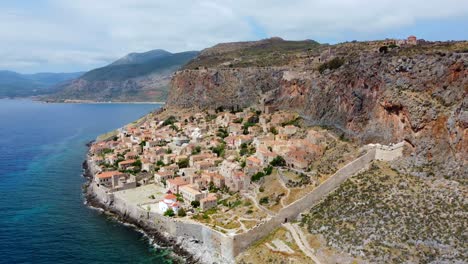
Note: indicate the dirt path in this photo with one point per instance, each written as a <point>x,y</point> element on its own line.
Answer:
<point>301,242</point>
<point>283,184</point>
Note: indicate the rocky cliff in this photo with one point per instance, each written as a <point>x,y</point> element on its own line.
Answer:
<point>372,91</point>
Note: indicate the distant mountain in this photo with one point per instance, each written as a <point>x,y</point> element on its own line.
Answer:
<point>13,84</point>
<point>135,77</point>
<point>138,58</point>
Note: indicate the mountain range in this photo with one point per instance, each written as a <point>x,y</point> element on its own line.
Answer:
<point>135,77</point>
<point>13,84</point>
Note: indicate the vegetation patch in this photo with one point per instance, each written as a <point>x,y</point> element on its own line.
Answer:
<point>392,218</point>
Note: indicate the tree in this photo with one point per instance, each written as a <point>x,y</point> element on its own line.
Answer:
<point>273,130</point>
<point>264,200</point>
<point>268,170</point>
<point>257,176</point>
<point>181,212</point>
<point>169,212</point>
<point>169,121</point>
<point>183,163</point>
<point>195,204</point>
<point>196,150</point>
<point>219,150</point>
<point>278,162</point>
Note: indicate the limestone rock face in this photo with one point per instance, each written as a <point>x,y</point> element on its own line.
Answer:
<point>417,95</point>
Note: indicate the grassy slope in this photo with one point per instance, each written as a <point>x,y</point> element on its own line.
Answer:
<point>390,217</point>
<point>262,54</point>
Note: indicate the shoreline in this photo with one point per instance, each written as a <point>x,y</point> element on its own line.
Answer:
<point>35,99</point>
<point>154,236</point>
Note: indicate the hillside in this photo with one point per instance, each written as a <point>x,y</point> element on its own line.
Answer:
<point>135,77</point>
<point>14,84</point>
<point>369,92</point>
<point>415,93</point>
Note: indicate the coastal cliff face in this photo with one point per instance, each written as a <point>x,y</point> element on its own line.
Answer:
<point>415,94</point>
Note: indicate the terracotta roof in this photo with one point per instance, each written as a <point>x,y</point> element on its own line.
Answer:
<point>108,174</point>
<point>254,159</point>
<point>189,189</point>
<point>177,181</point>
<point>170,197</point>
<point>164,173</point>
<point>209,198</point>
<point>127,161</point>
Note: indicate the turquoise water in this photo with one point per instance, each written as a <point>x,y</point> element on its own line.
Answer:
<point>42,215</point>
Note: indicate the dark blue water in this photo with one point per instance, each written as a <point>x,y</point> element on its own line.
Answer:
<point>42,216</point>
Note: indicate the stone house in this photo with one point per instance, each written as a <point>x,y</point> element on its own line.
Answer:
<point>243,139</point>
<point>174,184</point>
<point>146,165</point>
<point>190,193</point>
<point>412,40</point>
<point>105,178</point>
<point>297,159</point>
<point>208,202</point>
<point>199,157</point>
<point>288,130</point>
<point>160,177</point>
<point>123,165</point>
<point>171,168</point>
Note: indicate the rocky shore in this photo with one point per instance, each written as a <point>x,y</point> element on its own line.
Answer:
<point>182,255</point>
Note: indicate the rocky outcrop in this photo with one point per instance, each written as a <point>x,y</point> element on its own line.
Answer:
<point>415,94</point>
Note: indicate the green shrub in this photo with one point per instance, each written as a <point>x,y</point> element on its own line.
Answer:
<point>264,200</point>
<point>333,64</point>
<point>169,212</point>
<point>181,212</point>
<point>169,121</point>
<point>183,163</point>
<point>273,130</point>
<point>219,150</point>
<point>195,204</point>
<point>196,150</point>
<point>268,170</point>
<point>278,162</point>
<point>257,176</point>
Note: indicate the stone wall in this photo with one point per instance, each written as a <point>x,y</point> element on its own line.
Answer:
<point>389,153</point>
<point>201,241</point>
<point>213,245</point>
<point>243,241</point>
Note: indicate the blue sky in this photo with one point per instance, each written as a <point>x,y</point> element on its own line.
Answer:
<point>78,35</point>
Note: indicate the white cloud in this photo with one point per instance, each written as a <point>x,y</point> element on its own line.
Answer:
<point>81,34</point>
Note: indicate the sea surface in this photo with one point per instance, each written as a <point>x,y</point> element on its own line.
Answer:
<point>42,215</point>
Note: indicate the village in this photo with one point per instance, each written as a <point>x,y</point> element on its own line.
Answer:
<point>230,170</point>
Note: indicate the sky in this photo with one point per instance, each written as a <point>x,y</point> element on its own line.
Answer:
<point>79,35</point>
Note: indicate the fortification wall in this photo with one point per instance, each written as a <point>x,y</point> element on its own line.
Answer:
<point>201,241</point>
<point>244,240</point>
<point>214,245</point>
<point>388,153</point>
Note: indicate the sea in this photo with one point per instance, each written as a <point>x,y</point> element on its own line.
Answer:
<point>43,218</point>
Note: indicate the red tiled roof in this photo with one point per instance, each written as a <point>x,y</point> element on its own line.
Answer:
<point>170,197</point>
<point>108,174</point>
